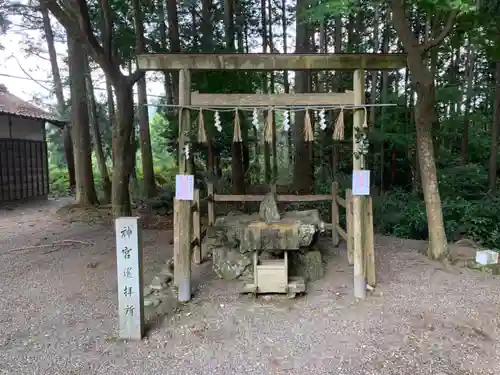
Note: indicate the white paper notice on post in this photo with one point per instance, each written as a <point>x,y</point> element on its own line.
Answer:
<point>184,187</point>
<point>360,182</point>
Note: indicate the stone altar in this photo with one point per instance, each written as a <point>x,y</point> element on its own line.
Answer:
<point>240,243</point>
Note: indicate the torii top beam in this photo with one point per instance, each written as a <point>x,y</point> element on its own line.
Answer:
<point>270,62</point>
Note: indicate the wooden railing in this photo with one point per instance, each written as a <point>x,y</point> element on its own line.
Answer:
<point>337,230</point>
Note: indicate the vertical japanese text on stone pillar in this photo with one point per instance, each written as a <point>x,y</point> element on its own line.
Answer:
<point>129,272</point>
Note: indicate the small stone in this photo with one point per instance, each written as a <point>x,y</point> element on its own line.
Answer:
<point>151,302</point>
<point>160,282</point>
<point>166,271</point>
<point>170,264</point>
<point>268,210</point>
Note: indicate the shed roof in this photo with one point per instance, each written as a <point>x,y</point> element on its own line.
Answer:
<point>12,105</point>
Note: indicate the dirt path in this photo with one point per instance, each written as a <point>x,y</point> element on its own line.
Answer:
<point>58,314</point>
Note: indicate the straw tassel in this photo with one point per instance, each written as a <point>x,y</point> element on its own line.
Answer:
<point>338,131</point>
<point>308,131</point>
<point>202,134</point>
<point>237,127</point>
<point>268,133</point>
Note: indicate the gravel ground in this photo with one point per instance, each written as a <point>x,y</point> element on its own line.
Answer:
<point>58,313</point>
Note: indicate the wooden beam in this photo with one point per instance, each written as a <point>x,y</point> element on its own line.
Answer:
<point>311,99</point>
<point>279,198</point>
<point>270,62</point>
<point>342,232</point>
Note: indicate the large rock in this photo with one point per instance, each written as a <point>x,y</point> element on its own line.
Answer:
<point>229,264</point>
<point>233,238</point>
<point>308,264</point>
<point>268,210</point>
<point>287,234</point>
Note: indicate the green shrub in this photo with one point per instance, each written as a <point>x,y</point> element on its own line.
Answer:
<point>59,183</point>
<point>403,215</point>
<point>468,182</point>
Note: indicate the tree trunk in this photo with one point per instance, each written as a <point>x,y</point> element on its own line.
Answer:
<point>468,103</point>
<point>206,26</point>
<point>111,112</point>
<point>240,25</point>
<point>286,81</point>
<point>70,157</point>
<point>175,43</point>
<point>237,174</point>
<point>229,24</point>
<point>425,118</point>
<point>492,170</point>
<point>326,155</point>
<point>338,88</point>
<point>272,89</point>
<point>265,88</point>
<point>303,179</point>
<point>384,98</point>
<point>207,46</point>
<point>374,74</point>
<point>85,189</point>
<point>148,174</point>
<point>61,105</point>
<point>164,44</point>
<point>124,152</point>
<point>96,134</point>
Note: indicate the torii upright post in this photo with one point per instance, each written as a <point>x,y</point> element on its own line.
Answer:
<point>358,163</point>
<point>182,208</point>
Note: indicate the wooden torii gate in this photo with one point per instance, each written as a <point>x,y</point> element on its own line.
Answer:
<point>185,63</point>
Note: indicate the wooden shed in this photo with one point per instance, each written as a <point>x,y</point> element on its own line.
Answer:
<point>24,171</point>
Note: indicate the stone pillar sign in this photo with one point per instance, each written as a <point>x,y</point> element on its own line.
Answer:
<point>130,282</point>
